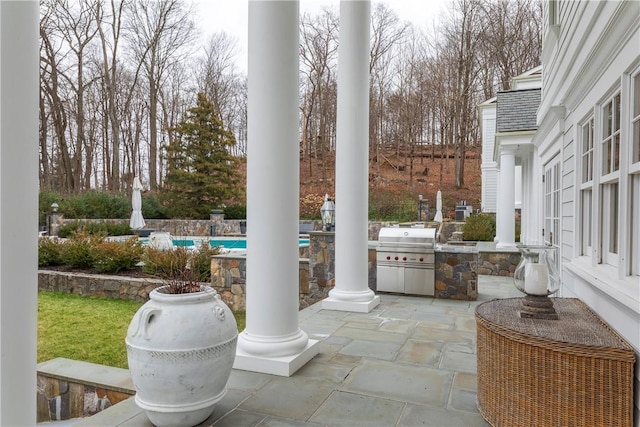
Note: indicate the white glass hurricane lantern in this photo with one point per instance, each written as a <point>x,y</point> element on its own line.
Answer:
<point>536,273</point>
<point>537,277</point>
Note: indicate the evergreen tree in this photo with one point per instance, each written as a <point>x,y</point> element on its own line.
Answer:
<point>201,172</point>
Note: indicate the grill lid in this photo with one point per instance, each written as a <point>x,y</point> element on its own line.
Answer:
<point>407,237</point>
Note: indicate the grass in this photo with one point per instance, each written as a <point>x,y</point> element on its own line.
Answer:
<point>90,329</point>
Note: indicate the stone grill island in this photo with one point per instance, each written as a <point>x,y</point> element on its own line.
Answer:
<point>457,265</point>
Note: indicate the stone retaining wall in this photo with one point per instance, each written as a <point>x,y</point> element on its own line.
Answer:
<point>102,285</point>
<point>229,279</point>
<point>70,389</point>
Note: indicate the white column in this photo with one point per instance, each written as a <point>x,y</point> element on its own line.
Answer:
<point>272,341</point>
<point>352,292</point>
<point>18,210</point>
<point>505,213</point>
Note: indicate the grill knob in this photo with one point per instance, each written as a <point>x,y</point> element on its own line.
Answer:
<point>421,259</point>
<point>404,258</point>
<point>396,258</point>
<point>388,258</point>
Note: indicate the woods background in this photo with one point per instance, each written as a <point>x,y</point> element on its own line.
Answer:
<point>117,76</point>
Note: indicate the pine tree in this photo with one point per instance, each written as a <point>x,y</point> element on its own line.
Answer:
<point>201,172</point>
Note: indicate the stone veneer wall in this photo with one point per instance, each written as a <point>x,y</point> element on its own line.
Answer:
<point>214,226</point>
<point>118,287</point>
<point>229,279</point>
<point>59,399</point>
<point>64,390</point>
<point>498,263</point>
<point>456,275</point>
<point>178,227</point>
<point>322,254</point>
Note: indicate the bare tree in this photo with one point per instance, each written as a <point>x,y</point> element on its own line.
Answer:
<point>53,103</point>
<point>110,43</point>
<point>217,76</point>
<point>511,39</point>
<point>78,27</point>
<point>318,53</point>
<point>160,33</point>
<point>387,34</point>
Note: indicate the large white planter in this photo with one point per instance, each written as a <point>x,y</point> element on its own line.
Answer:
<point>181,349</point>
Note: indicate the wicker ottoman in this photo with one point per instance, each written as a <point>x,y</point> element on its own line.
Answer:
<point>574,371</point>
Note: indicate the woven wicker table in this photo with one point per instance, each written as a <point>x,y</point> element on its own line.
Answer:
<point>574,371</point>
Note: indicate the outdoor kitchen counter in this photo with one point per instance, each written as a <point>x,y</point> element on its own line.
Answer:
<point>457,248</point>
<point>456,271</point>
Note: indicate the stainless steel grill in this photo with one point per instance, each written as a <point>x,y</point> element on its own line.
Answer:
<point>405,260</point>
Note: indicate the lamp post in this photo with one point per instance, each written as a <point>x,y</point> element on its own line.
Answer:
<point>420,207</point>
<point>328,214</point>
<point>52,218</point>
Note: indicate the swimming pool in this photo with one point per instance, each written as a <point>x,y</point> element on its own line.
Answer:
<point>226,243</point>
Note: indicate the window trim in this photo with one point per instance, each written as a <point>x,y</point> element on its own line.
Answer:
<point>585,228</point>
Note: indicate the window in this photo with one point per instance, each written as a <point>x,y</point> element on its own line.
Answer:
<point>586,206</point>
<point>608,176</point>
<point>552,201</point>
<point>634,265</point>
<point>636,119</point>
<point>587,151</point>
<point>609,180</point>
<point>634,181</point>
<point>611,136</point>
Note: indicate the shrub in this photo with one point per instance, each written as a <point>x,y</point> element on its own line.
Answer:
<point>391,206</point>
<point>98,204</point>
<point>180,262</point>
<point>201,260</point>
<point>165,264</point>
<point>68,229</point>
<point>78,249</point>
<point>310,206</point>
<point>479,227</point>
<point>112,256</point>
<point>49,251</point>
<point>235,212</point>
<point>102,228</point>
<point>152,207</point>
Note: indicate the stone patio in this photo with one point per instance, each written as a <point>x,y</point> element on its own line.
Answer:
<point>410,361</point>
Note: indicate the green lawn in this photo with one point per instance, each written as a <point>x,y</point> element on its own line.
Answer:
<point>86,328</point>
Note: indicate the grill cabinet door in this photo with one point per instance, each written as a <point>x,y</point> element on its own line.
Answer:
<point>419,281</point>
<point>390,274</point>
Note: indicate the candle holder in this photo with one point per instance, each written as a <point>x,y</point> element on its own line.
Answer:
<point>537,277</point>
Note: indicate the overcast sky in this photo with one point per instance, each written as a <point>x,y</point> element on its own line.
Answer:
<point>230,16</point>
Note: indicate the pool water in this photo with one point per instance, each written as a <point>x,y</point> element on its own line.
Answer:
<point>225,243</point>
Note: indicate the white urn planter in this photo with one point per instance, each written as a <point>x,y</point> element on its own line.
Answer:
<point>180,349</point>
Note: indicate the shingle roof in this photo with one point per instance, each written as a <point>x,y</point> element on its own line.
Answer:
<point>517,110</point>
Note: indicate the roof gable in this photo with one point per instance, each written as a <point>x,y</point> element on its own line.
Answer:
<point>517,110</point>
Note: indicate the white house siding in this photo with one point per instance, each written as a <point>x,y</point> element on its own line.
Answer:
<point>489,188</point>
<point>587,58</point>
<point>489,166</point>
<point>567,225</point>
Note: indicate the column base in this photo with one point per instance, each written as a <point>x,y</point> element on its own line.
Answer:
<point>355,306</point>
<point>505,245</point>
<point>284,366</point>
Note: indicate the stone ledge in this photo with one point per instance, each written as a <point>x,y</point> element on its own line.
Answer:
<point>92,374</point>
<point>69,389</point>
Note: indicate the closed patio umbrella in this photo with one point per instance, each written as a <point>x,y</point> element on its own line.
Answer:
<point>137,221</point>
<point>438,217</point>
